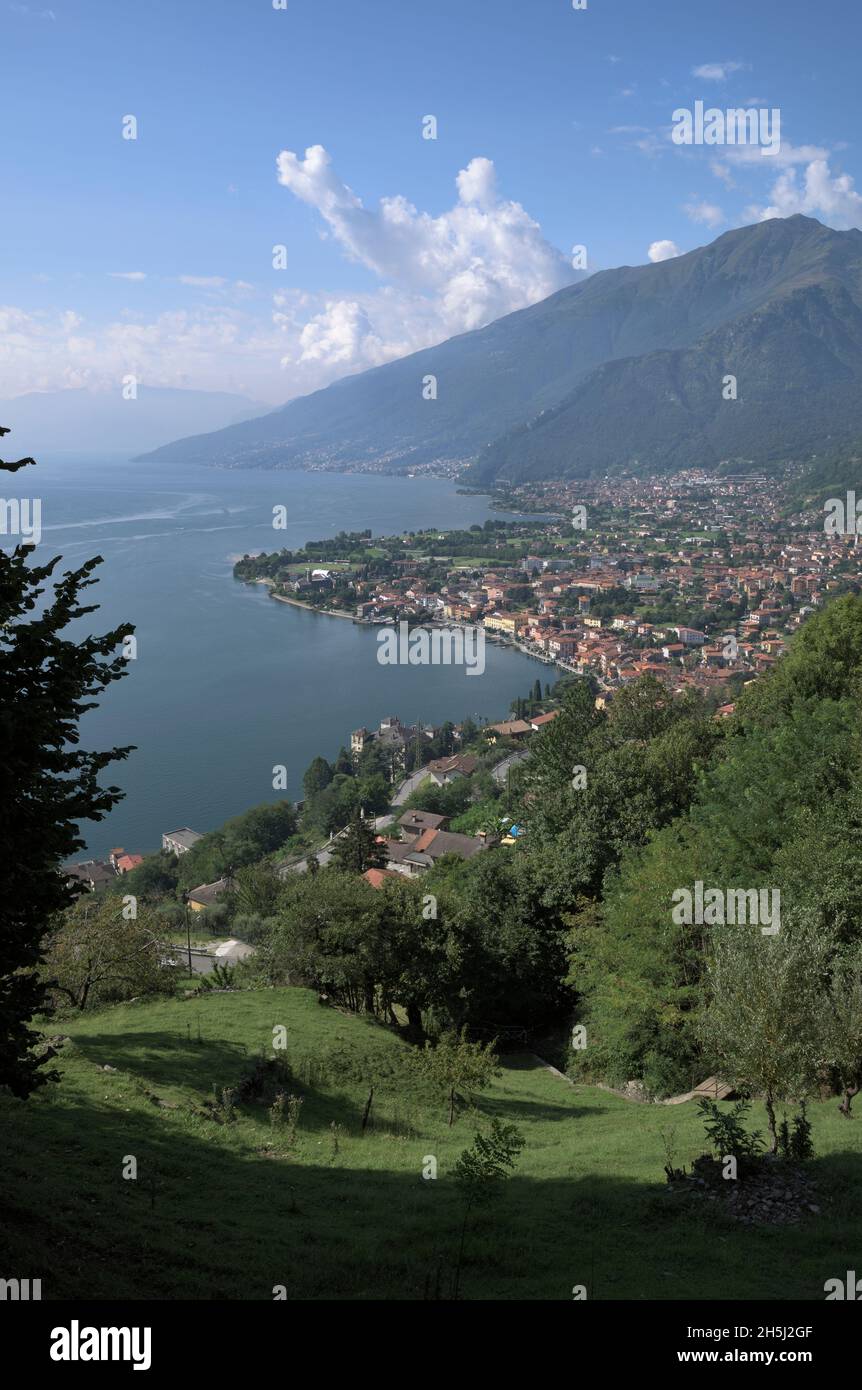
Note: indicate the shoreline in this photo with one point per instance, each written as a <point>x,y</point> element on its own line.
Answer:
<point>340,613</point>
<point>297,603</point>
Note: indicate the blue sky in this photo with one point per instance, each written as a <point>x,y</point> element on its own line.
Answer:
<point>572,108</point>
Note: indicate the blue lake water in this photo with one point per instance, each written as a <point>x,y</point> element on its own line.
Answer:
<point>227,682</point>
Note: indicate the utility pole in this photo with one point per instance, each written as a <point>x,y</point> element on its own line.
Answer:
<point>188,930</point>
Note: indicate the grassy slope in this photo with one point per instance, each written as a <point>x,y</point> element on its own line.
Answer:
<point>229,1212</point>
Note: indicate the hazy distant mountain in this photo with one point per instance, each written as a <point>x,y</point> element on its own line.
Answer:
<point>102,420</point>
<point>623,369</point>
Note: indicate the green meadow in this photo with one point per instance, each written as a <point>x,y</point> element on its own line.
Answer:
<point>230,1210</point>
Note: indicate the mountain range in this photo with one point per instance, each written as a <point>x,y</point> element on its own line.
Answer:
<point>628,370</point>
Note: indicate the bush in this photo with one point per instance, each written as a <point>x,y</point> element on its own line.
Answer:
<point>726,1132</point>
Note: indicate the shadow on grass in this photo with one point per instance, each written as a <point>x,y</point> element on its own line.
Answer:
<point>209,1217</point>
<point>167,1058</point>
<point>537,1109</point>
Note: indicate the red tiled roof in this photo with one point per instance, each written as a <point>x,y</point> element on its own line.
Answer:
<point>129,861</point>
<point>376,876</point>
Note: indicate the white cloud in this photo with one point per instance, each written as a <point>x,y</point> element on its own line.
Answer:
<point>341,333</point>
<point>127,274</point>
<point>785,155</point>
<point>708,213</point>
<point>478,183</point>
<point>716,72</point>
<point>663,251</point>
<point>211,349</point>
<point>441,275</point>
<point>438,276</point>
<point>806,184</point>
<point>819,193</point>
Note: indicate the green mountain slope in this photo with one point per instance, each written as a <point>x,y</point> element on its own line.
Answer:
<point>798,368</point>
<point>627,364</point>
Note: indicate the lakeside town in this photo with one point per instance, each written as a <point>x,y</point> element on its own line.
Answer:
<point>409,840</point>
<point>697,580</point>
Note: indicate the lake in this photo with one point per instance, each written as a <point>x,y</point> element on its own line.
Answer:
<point>228,683</point>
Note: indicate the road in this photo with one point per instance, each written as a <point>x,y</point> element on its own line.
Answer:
<point>324,856</point>
<point>409,785</point>
<point>501,771</point>
<point>202,961</point>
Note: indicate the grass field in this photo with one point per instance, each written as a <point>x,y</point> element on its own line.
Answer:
<point>229,1211</point>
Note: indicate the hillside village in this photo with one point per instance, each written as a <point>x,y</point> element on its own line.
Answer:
<point>698,582</point>
<point>412,840</point>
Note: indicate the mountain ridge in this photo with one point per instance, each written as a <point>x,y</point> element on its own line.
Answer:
<point>622,369</point>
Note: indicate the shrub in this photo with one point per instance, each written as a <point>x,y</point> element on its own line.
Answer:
<point>726,1131</point>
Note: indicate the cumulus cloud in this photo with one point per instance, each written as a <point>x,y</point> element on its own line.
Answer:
<point>819,193</point>
<point>806,184</point>
<point>441,275</point>
<point>663,251</point>
<point>340,333</point>
<point>438,276</point>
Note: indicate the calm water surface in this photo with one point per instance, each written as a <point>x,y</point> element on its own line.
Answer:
<point>227,682</point>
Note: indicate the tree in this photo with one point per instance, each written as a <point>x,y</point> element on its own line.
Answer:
<point>445,740</point>
<point>358,850</point>
<point>761,1026</point>
<point>343,763</point>
<point>469,731</point>
<point>480,1169</point>
<point>480,1172</point>
<point>457,1068</point>
<point>327,935</point>
<point>48,784</point>
<point>502,952</point>
<point>257,890</point>
<point>318,776</point>
<point>243,840</point>
<point>558,749</point>
<point>155,878</point>
<point>842,1024</point>
<point>96,955</point>
<point>374,793</point>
